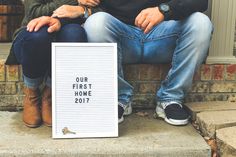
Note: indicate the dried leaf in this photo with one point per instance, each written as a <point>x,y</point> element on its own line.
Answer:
<point>212,143</point>
<point>214,154</point>
<point>142,114</point>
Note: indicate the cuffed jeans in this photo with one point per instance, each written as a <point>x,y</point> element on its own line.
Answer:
<point>183,43</point>
<point>33,51</point>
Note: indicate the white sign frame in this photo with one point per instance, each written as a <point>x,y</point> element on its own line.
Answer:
<point>60,111</point>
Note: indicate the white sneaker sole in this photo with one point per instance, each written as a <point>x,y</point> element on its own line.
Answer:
<point>160,113</point>
<point>121,120</point>
<point>128,110</point>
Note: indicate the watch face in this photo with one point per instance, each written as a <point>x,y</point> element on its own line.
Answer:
<point>164,7</point>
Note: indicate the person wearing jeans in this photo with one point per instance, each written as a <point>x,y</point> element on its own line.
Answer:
<point>32,49</point>
<point>155,32</point>
<point>33,52</point>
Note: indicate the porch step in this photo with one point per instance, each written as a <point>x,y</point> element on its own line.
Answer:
<point>226,140</point>
<point>217,121</point>
<point>139,137</point>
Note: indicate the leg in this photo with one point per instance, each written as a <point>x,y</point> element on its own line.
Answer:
<point>110,29</point>
<point>185,44</point>
<point>68,33</point>
<point>102,27</point>
<point>32,51</point>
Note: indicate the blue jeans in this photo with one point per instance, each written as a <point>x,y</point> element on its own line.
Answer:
<point>33,51</point>
<point>183,43</point>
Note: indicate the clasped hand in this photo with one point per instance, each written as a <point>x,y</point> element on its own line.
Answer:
<point>69,11</point>
<point>148,18</point>
<point>65,11</point>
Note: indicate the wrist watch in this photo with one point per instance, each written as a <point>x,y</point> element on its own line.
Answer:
<point>85,14</point>
<point>165,10</point>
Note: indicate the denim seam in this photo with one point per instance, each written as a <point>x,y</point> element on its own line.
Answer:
<point>126,36</point>
<point>162,37</point>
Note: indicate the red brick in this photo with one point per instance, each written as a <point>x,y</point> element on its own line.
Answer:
<point>197,75</point>
<point>218,72</point>
<point>230,72</point>
<point>2,70</point>
<point>205,72</point>
<point>12,73</point>
<point>149,72</point>
<point>148,88</point>
<point>130,72</point>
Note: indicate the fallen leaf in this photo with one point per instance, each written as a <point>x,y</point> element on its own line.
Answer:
<point>142,114</point>
<point>212,143</point>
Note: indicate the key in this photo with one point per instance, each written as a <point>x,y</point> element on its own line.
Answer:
<point>65,131</point>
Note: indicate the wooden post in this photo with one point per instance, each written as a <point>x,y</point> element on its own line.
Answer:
<point>223,16</point>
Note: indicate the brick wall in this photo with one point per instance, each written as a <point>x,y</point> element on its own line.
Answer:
<point>211,82</point>
<point>11,86</point>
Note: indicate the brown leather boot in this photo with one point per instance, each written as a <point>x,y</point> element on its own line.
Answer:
<point>31,113</point>
<point>47,106</point>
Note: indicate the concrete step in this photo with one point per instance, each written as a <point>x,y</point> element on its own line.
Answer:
<point>226,140</point>
<point>138,137</point>
<point>217,120</point>
<point>198,107</point>
<point>214,115</point>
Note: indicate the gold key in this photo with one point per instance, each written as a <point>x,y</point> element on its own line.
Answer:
<point>65,131</point>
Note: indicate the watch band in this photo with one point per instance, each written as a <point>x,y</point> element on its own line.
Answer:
<point>165,10</point>
<point>86,13</point>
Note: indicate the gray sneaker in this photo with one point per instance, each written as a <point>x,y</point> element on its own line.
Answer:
<point>173,113</point>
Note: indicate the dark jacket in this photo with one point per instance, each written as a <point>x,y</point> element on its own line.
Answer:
<point>127,10</point>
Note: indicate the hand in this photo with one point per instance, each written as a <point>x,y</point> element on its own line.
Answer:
<point>35,24</point>
<point>90,3</point>
<point>148,18</point>
<point>68,11</point>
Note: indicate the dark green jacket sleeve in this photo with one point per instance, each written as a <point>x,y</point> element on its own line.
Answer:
<point>37,8</point>
<point>183,8</point>
<point>34,9</point>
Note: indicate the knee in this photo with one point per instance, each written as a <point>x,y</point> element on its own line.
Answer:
<point>96,25</point>
<point>31,46</point>
<point>72,33</point>
<point>39,38</point>
<point>200,27</point>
